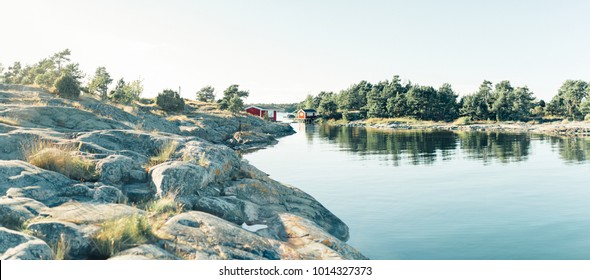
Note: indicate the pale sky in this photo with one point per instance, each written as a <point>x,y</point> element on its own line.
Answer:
<point>283,50</point>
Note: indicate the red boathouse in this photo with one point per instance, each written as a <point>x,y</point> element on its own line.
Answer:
<point>268,114</point>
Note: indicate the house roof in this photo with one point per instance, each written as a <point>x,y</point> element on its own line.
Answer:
<point>261,109</point>
<point>309,110</point>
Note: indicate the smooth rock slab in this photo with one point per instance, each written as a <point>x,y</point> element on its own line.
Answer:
<point>278,198</point>
<point>90,213</point>
<point>145,252</point>
<point>202,235</point>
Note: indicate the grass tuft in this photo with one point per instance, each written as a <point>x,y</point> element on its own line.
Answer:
<point>61,250</point>
<point>60,158</point>
<point>121,234</point>
<point>164,154</point>
<point>9,121</point>
<point>203,161</point>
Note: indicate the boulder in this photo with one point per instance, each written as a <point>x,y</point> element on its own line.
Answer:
<point>108,194</point>
<point>201,235</point>
<point>139,192</point>
<point>53,232</point>
<point>118,169</point>
<point>178,178</point>
<point>16,245</point>
<point>15,211</point>
<point>220,161</point>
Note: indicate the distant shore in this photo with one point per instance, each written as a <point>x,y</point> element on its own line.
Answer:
<point>560,128</point>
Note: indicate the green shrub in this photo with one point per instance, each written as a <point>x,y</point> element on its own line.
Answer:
<point>67,87</point>
<point>170,100</point>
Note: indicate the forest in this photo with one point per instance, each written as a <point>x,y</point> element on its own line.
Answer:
<point>494,102</point>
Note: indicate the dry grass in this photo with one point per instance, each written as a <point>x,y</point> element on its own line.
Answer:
<point>61,250</point>
<point>177,118</point>
<point>121,234</point>
<point>162,209</point>
<point>60,158</point>
<point>203,161</point>
<point>9,121</point>
<point>164,154</point>
<point>34,101</point>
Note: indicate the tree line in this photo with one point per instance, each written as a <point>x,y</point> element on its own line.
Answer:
<point>499,102</point>
<point>58,74</point>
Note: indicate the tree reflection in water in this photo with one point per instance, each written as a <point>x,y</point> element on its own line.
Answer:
<point>426,147</point>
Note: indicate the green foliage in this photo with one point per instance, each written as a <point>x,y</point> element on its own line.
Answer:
<point>170,100</point>
<point>502,103</point>
<point>567,102</point>
<point>232,99</point>
<point>43,73</point>
<point>388,99</point>
<point>100,83</point>
<point>67,87</point>
<point>235,105</point>
<point>126,93</point>
<point>352,115</point>
<point>206,94</point>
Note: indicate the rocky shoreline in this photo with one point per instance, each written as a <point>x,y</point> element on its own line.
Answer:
<point>173,184</point>
<point>581,129</point>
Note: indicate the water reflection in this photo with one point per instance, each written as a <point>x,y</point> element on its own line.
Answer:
<point>426,147</point>
<point>486,146</point>
<point>571,149</point>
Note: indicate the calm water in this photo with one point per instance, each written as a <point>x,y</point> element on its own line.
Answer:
<point>444,195</point>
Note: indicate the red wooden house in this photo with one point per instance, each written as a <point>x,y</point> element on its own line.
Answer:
<point>307,115</point>
<point>269,114</point>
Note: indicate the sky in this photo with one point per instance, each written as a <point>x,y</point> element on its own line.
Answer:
<point>282,51</point>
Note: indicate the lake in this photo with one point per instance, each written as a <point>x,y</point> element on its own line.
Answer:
<point>443,195</point>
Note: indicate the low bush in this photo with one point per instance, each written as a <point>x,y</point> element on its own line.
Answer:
<point>67,87</point>
<point>170,100</point>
